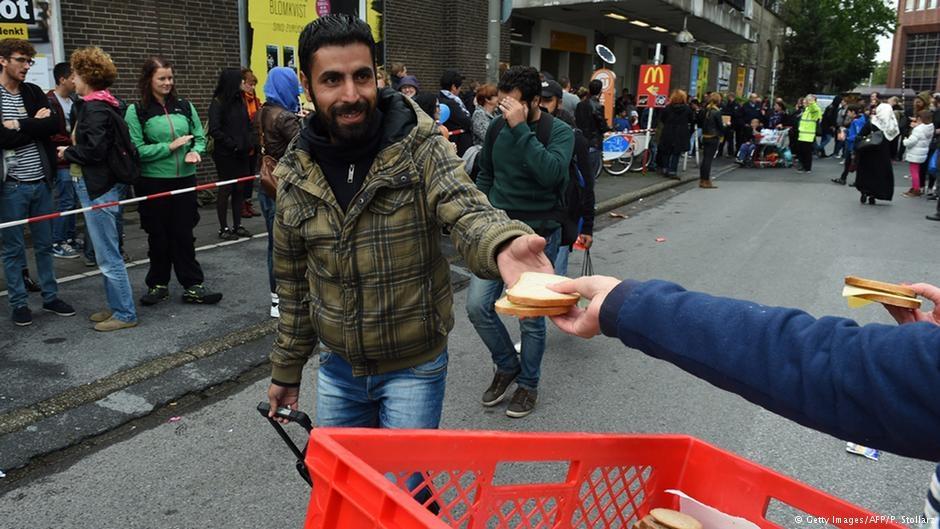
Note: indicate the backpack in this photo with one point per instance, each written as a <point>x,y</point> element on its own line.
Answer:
<point>568,208</point>
<point>123,159</point>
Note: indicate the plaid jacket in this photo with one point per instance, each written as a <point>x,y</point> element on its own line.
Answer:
<point>372,284</point>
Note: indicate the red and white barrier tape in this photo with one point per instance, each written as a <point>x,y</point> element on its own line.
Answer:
<point>154,196</point>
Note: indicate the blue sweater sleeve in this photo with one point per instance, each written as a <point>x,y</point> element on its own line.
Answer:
<point>874,384</point>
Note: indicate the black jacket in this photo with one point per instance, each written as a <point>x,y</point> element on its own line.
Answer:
<point>712,124</point>
<point>230,128</point>
<point>94,138</point>
<point>32,130</point>
<point>749,112</point>
<point>459,120</point>
<point>676,135</point>
<point>589,116</point>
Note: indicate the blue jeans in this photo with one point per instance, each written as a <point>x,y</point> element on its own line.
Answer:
<point>63,228</point>
<point>672,163</point>
<point>89,250</point>
<point>596,157</point>
<point>102,226</point>
<point>20,201</point>
<point>267,209</point>
<point>561,261</point>
<point>407,398</point>
<point>481,296</point>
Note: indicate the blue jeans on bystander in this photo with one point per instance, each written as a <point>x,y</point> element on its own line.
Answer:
<point>21,200</point>
<point>63,228</point>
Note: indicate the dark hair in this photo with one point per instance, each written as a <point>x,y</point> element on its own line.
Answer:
<point>450,78</point>
<point>564,82</point>
<point>595,87</point>
<point>333,30</point>
<point>426,101</point>
<point>857,108</point>
<point>63,69</point>
<point>229,86</point>
<point>925,116</point>
<point>525,78</point>
<point>8,46</point>
<point>150,67</point>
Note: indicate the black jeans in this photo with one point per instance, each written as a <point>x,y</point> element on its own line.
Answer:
<point>169,224</point>
<point>711,147</point>
<point>804,150</point>
<point>236,193</point>
<point>728,140</point>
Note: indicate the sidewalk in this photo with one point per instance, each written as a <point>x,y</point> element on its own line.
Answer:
<point>64,383</point>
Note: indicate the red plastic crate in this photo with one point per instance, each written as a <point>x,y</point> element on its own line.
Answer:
<point>608,481</point>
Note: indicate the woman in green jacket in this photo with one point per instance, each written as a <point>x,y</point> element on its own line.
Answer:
<point>807,133</point>
<point>167,132</point>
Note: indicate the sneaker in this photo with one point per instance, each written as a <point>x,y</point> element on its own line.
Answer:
<point>30,285</point>
<point>201,295</point>
<point>76,244</point>
<point>499,388</point>
<point>90,262</point>
<point>63,250</point>
<point>155,295</point>
<point>100,316</point>
<point>22,316</point>
<point>114,324</point>
<point>226,234</point>
<point>242,232</point>
<point>58,307</point>
<point>522,403</point>
<point>275,302</point>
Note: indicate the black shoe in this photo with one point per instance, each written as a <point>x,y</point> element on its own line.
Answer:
<point>155,295</point>
<point>201,295</point>
<point>59,307</point>
<point>862,199</point>
<point>499,388</point>
<point>31,285</point>
<point>22,316</point>
<point>226,234</point>
<point>522,403</point>
<point>241,232</point>
<point>871,200</point>
<point>838,181</point>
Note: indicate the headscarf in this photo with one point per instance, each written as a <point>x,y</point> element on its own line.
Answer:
<point>281,88</point>
<point>884,119</point>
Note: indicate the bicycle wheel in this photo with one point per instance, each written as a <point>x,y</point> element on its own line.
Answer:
<point>622,164</point>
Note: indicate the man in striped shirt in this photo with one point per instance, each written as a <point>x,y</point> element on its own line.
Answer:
<point>27,163</point>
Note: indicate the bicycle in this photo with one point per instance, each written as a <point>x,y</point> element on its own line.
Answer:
<point>622,149</point>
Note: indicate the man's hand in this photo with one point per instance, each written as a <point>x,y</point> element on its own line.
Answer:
<point>523,254</point>
<point>903,315</point>
<point>586,241</point>
<point>179,142</point>
<point>514,112</point>
<point>281,397</point>
<point>192,157</point>
<point>43,113</point>
<point>60,152</point>
<point>11,124</point>
<point>585,323</point>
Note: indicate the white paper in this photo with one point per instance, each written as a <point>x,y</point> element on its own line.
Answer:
<point>710,517</point>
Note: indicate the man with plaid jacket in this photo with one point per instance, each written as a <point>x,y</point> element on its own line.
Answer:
<point>363,193</point>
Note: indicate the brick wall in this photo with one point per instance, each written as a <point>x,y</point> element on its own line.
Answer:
<point>430,37</point>
<point>200,37</point>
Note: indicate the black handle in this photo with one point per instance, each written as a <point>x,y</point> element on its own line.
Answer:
<point>300,418</point>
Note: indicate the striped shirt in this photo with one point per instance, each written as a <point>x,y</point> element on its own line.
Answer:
<point>932,505</point>
<point>22,163</point>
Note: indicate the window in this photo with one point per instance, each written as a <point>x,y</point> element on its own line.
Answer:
<point>921,5</point>
<point>922,61</point>
<point>909,5</point>
<point>932,4</point>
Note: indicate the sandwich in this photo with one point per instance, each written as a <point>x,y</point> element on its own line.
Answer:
<point>869,290</point>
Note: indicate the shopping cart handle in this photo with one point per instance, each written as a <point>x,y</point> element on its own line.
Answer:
<point>298,417</point>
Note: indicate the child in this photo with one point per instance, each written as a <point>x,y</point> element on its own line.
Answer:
<point>621,122</point>
<point>917,145</point>
<point>857,120</point>
<point>751,136</point>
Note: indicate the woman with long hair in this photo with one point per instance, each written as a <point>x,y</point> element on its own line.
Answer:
<point>93,142</point>
<point>677,119</point>
<point>279,122</point>
<point>168,134</point>
<point>713,130</point>
<point>875,175</point>
<point>231,130</point>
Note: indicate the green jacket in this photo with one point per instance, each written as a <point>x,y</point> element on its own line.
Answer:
<point>808,120</point>
<point>521,174</point>
<point>154,128</point>
<point>372,284</point>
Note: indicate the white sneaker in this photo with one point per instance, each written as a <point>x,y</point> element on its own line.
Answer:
<point>275,311</point>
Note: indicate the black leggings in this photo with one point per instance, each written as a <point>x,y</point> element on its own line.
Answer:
<point>221,206</point>
<point>804,149</point>
<point>711,147</point>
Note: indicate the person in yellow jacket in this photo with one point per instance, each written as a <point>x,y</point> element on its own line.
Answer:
<point>809,119</point>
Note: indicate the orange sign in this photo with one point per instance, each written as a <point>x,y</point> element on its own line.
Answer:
<point>654,83</point>
<point>608,93</point>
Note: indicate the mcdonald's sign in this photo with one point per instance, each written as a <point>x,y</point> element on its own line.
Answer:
<point>654,81</point>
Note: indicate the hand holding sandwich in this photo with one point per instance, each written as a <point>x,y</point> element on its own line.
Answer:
<point>903,315</point>
<point>584,322</point>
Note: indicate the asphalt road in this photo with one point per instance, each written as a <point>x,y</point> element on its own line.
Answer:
<point>770,235</point>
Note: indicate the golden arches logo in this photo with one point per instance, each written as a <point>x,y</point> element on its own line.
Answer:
<point>654,75</point>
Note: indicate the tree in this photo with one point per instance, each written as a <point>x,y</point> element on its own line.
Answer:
<point>879,76</point>
<point>831,44</point>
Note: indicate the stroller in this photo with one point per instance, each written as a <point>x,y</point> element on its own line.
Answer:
<point>772,149</point>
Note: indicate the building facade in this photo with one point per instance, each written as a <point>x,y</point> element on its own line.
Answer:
<point>736,42</point>
<point>915,56</point>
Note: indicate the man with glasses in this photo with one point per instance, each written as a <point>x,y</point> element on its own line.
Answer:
<point>27,166</point>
